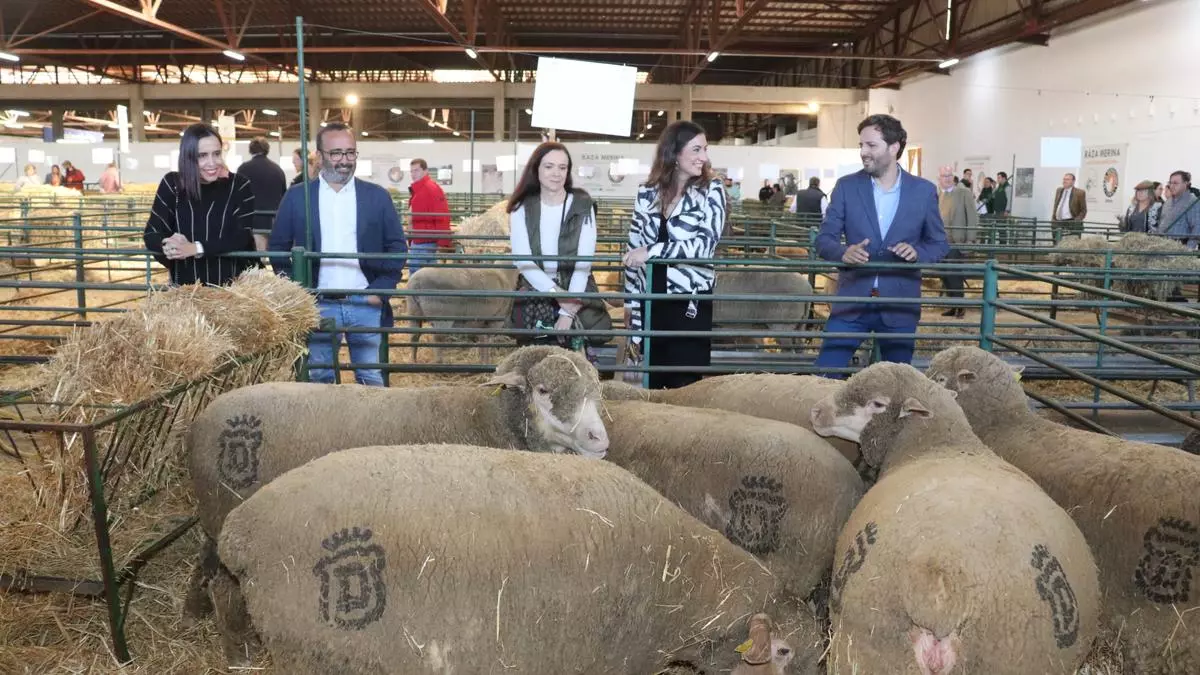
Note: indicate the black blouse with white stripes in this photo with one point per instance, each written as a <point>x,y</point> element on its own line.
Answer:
<point>220,220</point>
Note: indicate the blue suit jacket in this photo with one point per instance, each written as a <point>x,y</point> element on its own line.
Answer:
<point>379,231</point>
<point>851,215</point>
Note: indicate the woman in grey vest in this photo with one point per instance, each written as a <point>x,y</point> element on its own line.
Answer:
<point>548,217</point>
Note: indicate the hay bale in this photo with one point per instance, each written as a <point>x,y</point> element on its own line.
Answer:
<point>1072,251</point>
<point>135,356</point>
<point>490,223</point>
<point>252,325</point>
<point>1126,256</point>
<point>296,307</point>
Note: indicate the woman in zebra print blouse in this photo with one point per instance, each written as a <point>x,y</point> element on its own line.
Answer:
<point>677,219</point>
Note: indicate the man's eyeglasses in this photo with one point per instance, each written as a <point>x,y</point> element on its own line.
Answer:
<point>338,155</point>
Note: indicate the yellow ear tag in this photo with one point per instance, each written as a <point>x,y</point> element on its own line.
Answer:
<point>497,390</point>
<point>1017,375</point>
<point>741,649</point>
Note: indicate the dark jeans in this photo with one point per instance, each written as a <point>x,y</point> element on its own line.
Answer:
<point>836,352</point>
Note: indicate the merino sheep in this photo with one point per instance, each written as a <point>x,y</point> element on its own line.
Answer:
<point>1136,503</point>
<point>777,490</point>
<point>764,655</point>
<point>954,558</point>
<point>543,399</point>
<point>786,398</point>
<point>780,314</point>
<point>460,311</point>
<point>452,559</point>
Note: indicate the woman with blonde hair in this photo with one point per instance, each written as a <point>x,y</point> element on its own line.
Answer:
<point>30,179</point>
<point>678,218</point>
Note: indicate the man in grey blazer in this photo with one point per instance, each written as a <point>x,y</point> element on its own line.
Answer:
<point>957,206</point>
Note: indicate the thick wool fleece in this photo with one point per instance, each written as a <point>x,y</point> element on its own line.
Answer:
<point>787,398</point>
<point>528,563</point>
<point>954,556</point>
<point>1137,503</point>
<point>776,490</point>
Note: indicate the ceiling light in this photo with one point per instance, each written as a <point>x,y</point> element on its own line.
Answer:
<point>324,124</point>
<point>471,53</point>
<point>418,140</point>
<point>268,111</point>
<point>661,113</point>
<point>365,133</point>
<point>18,113</point>
<point>397,111</point>
<point>528,111</point>
<point>351,99</point>
<point>648,126</point>
<point>10,57</point>
<point>947,63</point>
<point>234,55</point>
<point>275,134</point>
<point>432,124</point>
<point>458,133</point>
<point>641,136</point>
<point>813,106</point>
<point>712,56</point>
<point>837,44</point>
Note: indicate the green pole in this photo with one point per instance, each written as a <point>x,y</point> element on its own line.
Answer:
<point>646,325</point>
<point>80,275</point>
<point>304,133</point>
<point>1102,320</point>
<point>987,317</point>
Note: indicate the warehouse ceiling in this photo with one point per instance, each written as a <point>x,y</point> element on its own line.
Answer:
<point>798,43</point>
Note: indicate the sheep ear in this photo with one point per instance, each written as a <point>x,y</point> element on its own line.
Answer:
<point>965,375</point>
<point>1016,371</point>
<point>510,379</point>
<point>913,407</point>
<point>953,393</point>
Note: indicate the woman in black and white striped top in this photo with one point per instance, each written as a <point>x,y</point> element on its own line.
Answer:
<point>678,217</point>
<point>200,214</point>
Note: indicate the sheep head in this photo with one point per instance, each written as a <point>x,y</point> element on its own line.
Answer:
<point>552,396</point>
<point>889,407</point>
<point>989,390</point>
<point>762,654</point>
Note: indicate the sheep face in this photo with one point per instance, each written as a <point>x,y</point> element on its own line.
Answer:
<point>763,654</point>
<point>983,382</point>
<point>561,396</point>
<point>877,407</point>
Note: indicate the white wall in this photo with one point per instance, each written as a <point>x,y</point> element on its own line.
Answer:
<point>749,164</point>
<point>1128,78</point>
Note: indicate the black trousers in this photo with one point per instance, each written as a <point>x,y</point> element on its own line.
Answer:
<point>671,315</point>
<point>953,283</point>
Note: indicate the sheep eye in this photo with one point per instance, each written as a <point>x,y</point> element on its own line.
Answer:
<point>541,389</point>
<point>878,405</point>
<point>784,651</point>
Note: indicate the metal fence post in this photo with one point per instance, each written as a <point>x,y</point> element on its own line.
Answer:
<point>80,276</point>
<point>112,591</point>
<point>987,316</point>
<point>1102,320</point>
<point>646,325</point>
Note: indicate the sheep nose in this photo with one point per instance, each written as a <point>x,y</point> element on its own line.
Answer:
<point>592,436</point>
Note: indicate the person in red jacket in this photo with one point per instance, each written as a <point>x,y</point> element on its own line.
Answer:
<point>430,212</point>
<point>73,178</point>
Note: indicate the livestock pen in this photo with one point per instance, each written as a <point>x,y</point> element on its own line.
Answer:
<point>1096,356</point>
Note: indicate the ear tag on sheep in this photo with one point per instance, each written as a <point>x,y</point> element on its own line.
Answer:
<point>497,390</point>
<point>1016,371</point>
<point>741,649</point>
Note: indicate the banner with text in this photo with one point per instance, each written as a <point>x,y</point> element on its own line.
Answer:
<point>1104,179</point>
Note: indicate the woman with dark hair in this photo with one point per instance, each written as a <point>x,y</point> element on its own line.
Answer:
<point>548,217</point>
<point>200,214</point>
<point>55,176</point>
<point>678,217</point>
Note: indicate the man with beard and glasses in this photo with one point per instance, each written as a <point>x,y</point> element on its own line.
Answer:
<point>880,214</point>
<point>351,216</point>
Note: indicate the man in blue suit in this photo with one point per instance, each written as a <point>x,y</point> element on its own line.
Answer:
<point>348,216</point>
<point>884,214</point>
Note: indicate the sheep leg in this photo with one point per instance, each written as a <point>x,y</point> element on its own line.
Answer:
<point>413,306</point>
<point>784,343</point>
<point>196,603</point>
<point>238,639</point>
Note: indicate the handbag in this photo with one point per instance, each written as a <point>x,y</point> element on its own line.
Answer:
<point>533,313</point>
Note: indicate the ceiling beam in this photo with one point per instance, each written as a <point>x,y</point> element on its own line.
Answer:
<point>436,11</point>
<point>71,22</point>
<point>149,18</point>
<point>728,38</point>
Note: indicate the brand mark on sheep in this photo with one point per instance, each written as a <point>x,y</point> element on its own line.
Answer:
<point>852,562</point>
<point>756,508</point>
<point>1055,590</point>
<point>352,574</point>
<point>237,460</point>
<point>1172,552</point>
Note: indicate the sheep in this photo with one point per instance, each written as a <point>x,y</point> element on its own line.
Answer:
<point>1135,502</point>
<point>954,559</point>
<point>454,559</point>
<point>763,655</point>
<point>542,399</point>
<point>778,315</point>
<point>777,490</point>
<point>474,311</point>
<point>787,398</point>
<point>1191,443</point>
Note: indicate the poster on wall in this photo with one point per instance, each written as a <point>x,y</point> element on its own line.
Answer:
<point>913,155</point>
<point>1023,183</point>
<point>789,180</point>
<point>1103,173</point>
<point>445,174</point>
<point>493,180</point>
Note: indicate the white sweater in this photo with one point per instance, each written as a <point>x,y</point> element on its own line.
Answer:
<point>542,278</point>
